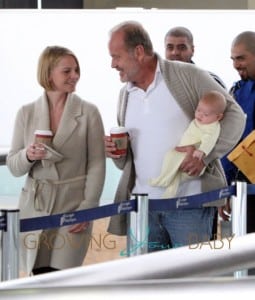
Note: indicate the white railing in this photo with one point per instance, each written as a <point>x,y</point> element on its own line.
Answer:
<point>193,261</point>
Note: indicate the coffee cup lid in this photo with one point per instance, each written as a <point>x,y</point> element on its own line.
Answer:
<point>43,132</point>
<point>118,129</point>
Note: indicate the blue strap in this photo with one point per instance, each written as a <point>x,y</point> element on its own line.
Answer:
<point>194,201</point>
<point>64,219</point>
<point>250,189</point>
<point>3,222</point>
<point>75,217</point>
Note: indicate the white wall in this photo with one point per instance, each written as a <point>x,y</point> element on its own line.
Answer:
<point>25,33</point>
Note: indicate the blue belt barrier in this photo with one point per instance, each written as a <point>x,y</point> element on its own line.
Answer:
<point>71,218</point>
<point>250,189</point>
<point>193,201</point>
<point>75,217</point>
<point>3,222</point>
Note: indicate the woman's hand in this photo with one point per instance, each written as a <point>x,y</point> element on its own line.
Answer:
<point>36,152</point>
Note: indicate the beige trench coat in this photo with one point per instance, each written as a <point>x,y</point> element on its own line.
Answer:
<point>70,178</point>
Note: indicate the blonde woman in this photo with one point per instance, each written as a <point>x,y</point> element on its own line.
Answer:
<point>63,177</point>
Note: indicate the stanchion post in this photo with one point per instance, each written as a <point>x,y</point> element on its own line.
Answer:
<point>10,246</point>
<point>239,216</point>
<point>3,225</point>
<point>138,229</point>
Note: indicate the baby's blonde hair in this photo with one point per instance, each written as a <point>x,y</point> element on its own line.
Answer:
<point>215,99</point>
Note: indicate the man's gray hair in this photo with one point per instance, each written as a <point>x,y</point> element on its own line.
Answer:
<point>134,35</point>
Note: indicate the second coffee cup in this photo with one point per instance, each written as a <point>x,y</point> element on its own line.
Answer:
<point>119,136</point>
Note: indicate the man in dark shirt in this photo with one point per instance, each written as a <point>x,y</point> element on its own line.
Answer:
<point>243,57</point>
<point>179,45</point>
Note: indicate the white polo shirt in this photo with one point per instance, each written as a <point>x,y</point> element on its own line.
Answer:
<point>155,123</point>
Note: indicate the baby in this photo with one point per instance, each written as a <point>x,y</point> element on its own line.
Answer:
<point>203,133</point>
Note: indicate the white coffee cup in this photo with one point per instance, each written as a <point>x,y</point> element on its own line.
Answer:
<point>43,136</point>
<point>119,136</point>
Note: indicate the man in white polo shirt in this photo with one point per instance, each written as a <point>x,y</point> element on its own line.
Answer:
<point>156,105</point>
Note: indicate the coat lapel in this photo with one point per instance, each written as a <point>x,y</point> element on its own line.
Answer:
<point>42,117</point>
<point>68,121</point>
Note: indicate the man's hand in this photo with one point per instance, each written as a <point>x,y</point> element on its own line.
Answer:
<point>225,211</point>
<point>190,165</point>
<point>110,147</point>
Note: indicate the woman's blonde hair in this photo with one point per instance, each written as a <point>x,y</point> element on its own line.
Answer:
<point>48,60</point>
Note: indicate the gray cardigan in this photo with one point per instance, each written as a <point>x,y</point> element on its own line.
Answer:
<point>187,84</point>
